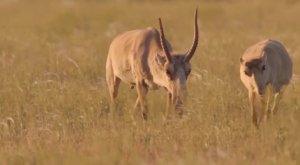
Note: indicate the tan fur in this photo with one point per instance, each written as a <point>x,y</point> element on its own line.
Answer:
<point>272,56</point>
<point>145,59</point>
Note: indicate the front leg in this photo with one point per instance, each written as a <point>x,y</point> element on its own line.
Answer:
<point>264,99</point>
<point>252,107</point>
<point>169,103</point>
<point>142,91</point>
<point>181,102</point>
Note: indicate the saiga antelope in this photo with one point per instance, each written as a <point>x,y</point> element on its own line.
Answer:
<point>145,59</point>
<point>265,65</point>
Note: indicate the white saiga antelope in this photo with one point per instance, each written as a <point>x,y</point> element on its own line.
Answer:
<point>264,65</point>
<point>145,59</point>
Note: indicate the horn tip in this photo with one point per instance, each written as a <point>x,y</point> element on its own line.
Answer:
<point>159,19</point>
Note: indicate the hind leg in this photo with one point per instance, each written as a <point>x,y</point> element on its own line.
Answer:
<point>278,95</point>
<point>133,110</point>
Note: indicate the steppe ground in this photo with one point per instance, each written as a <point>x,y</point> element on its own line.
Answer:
<point>54,101</point>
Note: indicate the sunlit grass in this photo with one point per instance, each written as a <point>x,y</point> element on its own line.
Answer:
<point>54,102</point>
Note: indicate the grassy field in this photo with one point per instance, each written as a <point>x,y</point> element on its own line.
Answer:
<point>54,101</point>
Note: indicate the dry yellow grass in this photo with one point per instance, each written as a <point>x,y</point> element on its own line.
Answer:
<point>54,99</point>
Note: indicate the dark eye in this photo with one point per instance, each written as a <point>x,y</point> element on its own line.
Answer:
<point>246,73</point>
<point>189,71</point>
<point>263,67</point>
<point>168,72</point>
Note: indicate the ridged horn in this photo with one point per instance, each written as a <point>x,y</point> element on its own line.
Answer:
<point>195,43</point>
<point>163,42</point>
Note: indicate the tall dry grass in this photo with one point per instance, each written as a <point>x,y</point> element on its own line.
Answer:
<point>54,102</point>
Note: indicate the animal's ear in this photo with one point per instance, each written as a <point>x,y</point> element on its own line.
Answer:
<point>241,60</point>
<point>161,60</point>
<point>264,56</point>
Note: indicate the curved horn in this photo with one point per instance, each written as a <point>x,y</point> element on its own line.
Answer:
<point>195,43</point>
<point>163,42</point>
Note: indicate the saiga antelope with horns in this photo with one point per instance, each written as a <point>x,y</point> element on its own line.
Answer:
<point>264,65</point>
<point>145,59</point>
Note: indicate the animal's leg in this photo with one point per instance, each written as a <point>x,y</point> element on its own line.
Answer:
<point>265,99</point>
<point>136,105</point>
<point>277,97</point>
<point>173,104</point>
<point>181,102</point>
<point>252,108</point>
<point>113,86</point>
<point>275,103</point>
<point>178,107</point>
<point>133,110</point>
<point>169,103</point>
<point>142,93</point>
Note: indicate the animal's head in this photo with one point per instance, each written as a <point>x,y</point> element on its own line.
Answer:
<point>254,73</point>
<point>176,67</point>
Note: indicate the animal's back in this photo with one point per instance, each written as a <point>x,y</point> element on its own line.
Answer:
<point>131,48</point>
<point>277,58</point>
